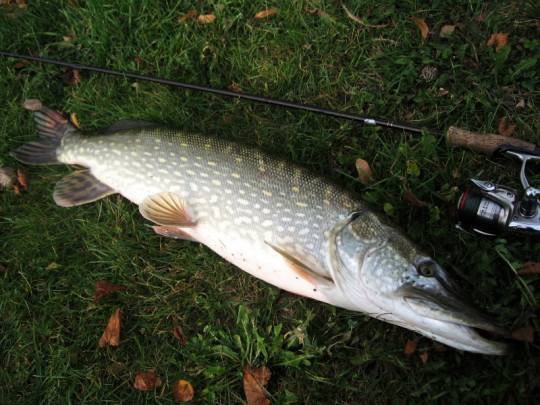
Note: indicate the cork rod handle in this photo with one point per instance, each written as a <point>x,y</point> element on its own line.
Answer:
<point>481,142</point>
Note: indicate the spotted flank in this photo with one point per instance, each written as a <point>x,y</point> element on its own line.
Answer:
<point>275,220</point>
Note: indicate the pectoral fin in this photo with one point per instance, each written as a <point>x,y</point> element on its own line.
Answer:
<point>80,188</point>
<point>166,209</point>
<point>302,269</point>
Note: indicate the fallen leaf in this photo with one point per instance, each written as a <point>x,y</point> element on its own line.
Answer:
<point>529,268</point>
<point>178,333</point>
<point>111,335</point>
<point>147,381</point>
<point>410,346</point>
<point>32,104</point>
<point>75,121</point>
<point>2,269</point>
<point>504,129</point>
<point>499,39</point>
<point>323,15</point>
<point>16,190</point>
<point>364,171</point>
<point>410,197</point>
<point>235,87</point>
<point>187,16</point>
<point>138,61</point>
<point>447,30</point>
<point>520,104</point>
<point>53,266</point>
<point>424,357</point>
<point>73,77</point>
<point>424,29</point>
<point>22,64</point>
<point>21,4</point>
<point>471,63</point>
<point>8,177</point>
<point>254,382</point>
<point>22,179</point>
<point>103,288</point>
<point>116,367</point>
<point>206,18</point>
<point>358,20</point>
<point>525,334</point>
<point>183,391</point>
<point>265,13</point>
<point>481,17</point>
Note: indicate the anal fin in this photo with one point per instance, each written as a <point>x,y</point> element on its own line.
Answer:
<point>166,208</point>
<point>80,188</point>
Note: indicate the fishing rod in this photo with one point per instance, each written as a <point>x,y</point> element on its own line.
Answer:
<point>484,209</point>
<point>480,142</point>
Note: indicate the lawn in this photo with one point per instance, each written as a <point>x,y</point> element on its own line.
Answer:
<point>308,52</point>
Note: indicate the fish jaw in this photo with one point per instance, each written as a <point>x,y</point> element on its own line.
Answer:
<point>380,272</point>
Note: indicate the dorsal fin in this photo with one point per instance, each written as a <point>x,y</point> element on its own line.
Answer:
<point>124,125</point>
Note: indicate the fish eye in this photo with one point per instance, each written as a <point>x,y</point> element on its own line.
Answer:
<point>427,269</point>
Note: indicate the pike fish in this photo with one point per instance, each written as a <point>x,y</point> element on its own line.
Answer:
<point>277,221</point>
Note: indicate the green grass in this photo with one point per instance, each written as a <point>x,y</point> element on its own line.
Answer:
<point>53,257</point>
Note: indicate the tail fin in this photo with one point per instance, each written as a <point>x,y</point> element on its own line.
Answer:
<point>52,127</point>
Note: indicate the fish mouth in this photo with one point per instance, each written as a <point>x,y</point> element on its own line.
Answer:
<point>453,321</point>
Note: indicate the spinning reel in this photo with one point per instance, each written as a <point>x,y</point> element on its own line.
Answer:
<point>489,209</point>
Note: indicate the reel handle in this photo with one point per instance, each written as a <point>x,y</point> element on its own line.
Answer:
<point>484,142</point>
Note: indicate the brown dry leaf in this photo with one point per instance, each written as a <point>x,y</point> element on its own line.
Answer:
<point>364,171</point>
<point>424,357</point>
<point>73,77</point>
<point>481,17</point>
<point>22,64</point>
<point>424,29</point>
<point>410,197</point>
<point>187,16</point>
<point>499,39</point>
<point>254,381</point>
<point>183,391</point>
<point>138,61</point>
<point>235,87</point>
<point>358,20</point>
<point>16,190</point>
<point>471,63</point>
<point>22,179</point>
<point>504,129</point>
<point>32,104</point>
<point>410,346</point>
<point>265,13</point>
<point>447,30</point>
<point>206,18</point>
<point>525,334</point>
<point>529,268</point>
<point>21,4</point>
<point>178,333</point>
<point>103,288</point>
<point>147,381</point>
<point>111,335</point>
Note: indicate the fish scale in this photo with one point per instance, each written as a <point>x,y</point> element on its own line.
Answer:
<point>276,220</point>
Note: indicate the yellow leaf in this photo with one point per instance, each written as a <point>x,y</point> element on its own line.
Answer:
<point>424,29</point>
<point>206,18</point>
<point>269,12</point>
<point>183,391</point>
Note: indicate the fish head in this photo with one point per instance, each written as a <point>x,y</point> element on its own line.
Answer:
<point>378,270</point>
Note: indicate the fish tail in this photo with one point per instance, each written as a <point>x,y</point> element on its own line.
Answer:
<point>52,128</point>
